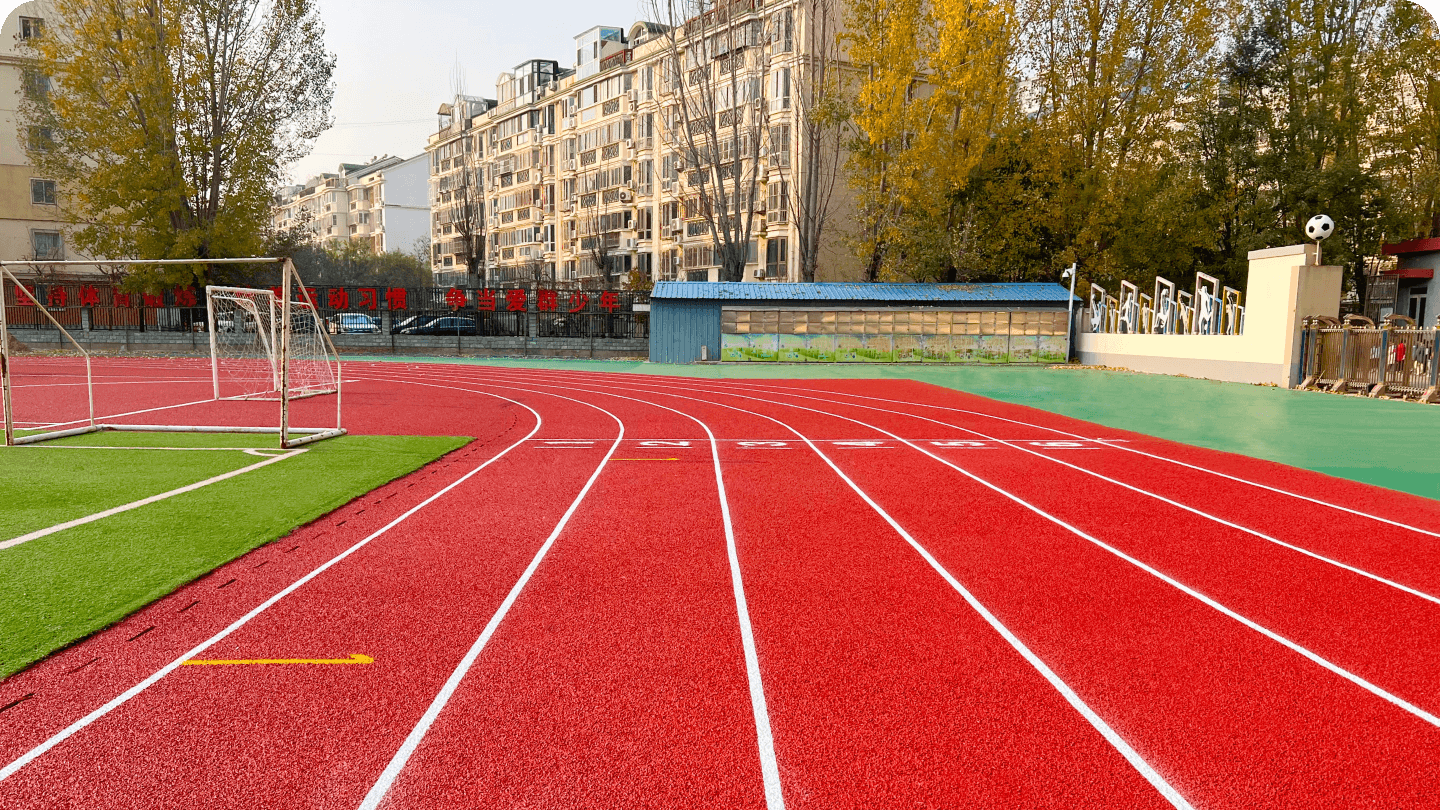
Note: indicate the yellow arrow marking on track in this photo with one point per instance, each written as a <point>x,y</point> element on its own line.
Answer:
<point>355,658</point>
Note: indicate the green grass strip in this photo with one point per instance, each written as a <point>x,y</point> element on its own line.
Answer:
<point>62,587</point>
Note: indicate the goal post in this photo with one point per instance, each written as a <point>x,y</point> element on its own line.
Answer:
<point>262,346</point>
<point>7,368</point>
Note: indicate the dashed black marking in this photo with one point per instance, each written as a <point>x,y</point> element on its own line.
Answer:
<point>187,607</point>
<point>263,564</point>
<point>16,702</point>
<point>228,582</point>
<point>82,666</point>
<point>141,633</point>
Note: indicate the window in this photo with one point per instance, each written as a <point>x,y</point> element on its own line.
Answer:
<point>31,27</point>
<point>777,207</point>
<point>782,31</point>
<point>36,84</point>
<point>41,139</point>
<point>1417,306</point>
<point>42,192</point>
<point>780,145</point>
<point>780,89</point>
<point>47,245</point>
<point>777,254</point>
<point>645,182</point>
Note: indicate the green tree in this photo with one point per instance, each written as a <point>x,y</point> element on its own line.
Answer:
<point>168,122</point>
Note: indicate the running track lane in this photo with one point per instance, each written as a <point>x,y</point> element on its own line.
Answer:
<point>670,381</point>
<point>618,678</point>
<point>1191,670</point>
<point>884,687</point>
<point>995,417</point>
<point>1376,630</point>
<point>1402,553</point>
<point>319,735</point>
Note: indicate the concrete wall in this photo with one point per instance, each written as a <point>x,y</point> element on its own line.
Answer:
<point>1284,287</point>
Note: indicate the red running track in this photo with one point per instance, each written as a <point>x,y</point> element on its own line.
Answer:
<point>639,591</point>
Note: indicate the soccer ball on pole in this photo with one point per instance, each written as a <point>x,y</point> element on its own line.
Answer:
<point>1319,228</point>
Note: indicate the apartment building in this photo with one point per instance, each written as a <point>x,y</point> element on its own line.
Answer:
<point>31,226</point>
<point>384,202</point>
<point>583,174</point>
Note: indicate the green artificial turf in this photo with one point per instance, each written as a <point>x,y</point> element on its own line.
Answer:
<point>1387,443</point>
<point>62,587</point>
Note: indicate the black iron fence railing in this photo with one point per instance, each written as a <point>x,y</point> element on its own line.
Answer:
<point>535,310</point>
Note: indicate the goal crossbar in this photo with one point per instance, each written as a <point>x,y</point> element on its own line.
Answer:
<point>289,436</point>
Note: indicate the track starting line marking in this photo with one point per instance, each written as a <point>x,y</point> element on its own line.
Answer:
<point>355,658</point>
<point>853,444</point>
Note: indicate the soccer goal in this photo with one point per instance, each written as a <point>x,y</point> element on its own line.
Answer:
<point>263,346</point>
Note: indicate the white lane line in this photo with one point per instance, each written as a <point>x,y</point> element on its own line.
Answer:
<point>53,425</point>
<point>70,524</point>
<point>1076,702</point>
<point>1114,443</point>
<point>417,734</point>
<point>1147,493</point>
<point>1183,588</point>
<point>769,766</point>
<point>196,380</point>
<point>195,651</point>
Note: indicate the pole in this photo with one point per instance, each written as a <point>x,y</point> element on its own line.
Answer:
<point>285,356</point>
<point>5,365</point>
<point>1070,312</point>
<point>214,353</point>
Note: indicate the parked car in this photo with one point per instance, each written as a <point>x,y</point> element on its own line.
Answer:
<point>443,326</point>
<point>414,320</point>
<point>226,323</point>
<point>352,323</point>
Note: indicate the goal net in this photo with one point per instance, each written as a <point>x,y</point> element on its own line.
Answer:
<point>263,346</point>
<point>246,340</point>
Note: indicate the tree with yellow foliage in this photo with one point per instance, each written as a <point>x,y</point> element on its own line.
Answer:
<point>168,122</point>
<point>934,87</point>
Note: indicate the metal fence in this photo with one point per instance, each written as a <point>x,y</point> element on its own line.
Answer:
<point>1387,361</point>
<point>536,310</point>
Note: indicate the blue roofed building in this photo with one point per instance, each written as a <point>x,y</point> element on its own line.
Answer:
<point>859,323</point>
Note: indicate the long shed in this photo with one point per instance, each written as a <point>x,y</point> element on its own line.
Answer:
<point>864,323</point>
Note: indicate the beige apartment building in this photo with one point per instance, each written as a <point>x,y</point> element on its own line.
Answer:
<point>30,222</point>
<point>384,203</point>
<point>584,164</point>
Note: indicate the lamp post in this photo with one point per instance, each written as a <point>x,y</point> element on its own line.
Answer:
<point>1069,273</point>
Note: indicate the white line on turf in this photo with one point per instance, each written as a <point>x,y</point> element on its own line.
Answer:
<point>70,524</point>
<point>194,652</point>
<point>29,447</point>
<point>417,734</point>
<point>1095,721</point>
<point>1183,588</point>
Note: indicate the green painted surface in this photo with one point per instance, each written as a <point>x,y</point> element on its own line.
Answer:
<point>1387,443</point>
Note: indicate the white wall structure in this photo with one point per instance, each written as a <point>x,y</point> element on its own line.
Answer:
<point>1285,286</point>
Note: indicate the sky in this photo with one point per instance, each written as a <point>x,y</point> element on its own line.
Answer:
<point>395,61</point>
